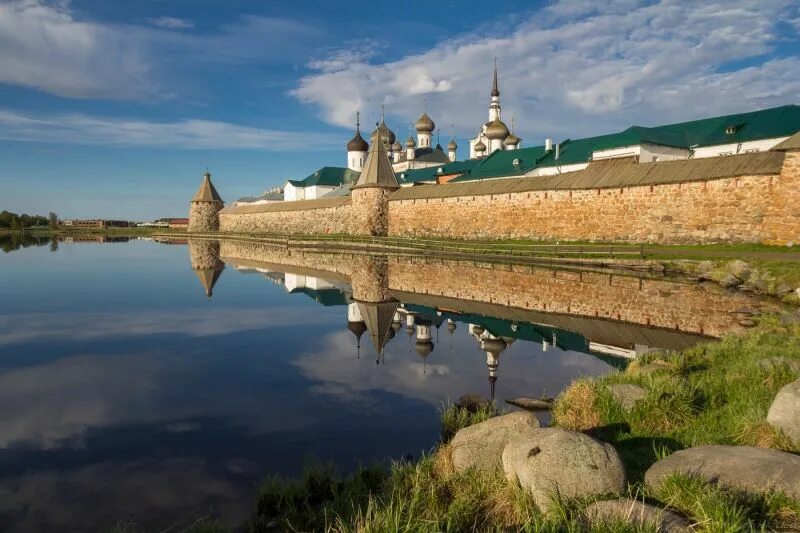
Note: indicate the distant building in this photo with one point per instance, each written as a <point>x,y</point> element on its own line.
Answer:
<point>178,223</point>
<point>94,223</point>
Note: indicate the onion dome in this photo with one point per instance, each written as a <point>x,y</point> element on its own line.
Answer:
<point>478,330</point>
<point>508,340</point>
<point>410,330</point>
<point>493,346</point>
<point>452,145</point>
<point>358,328</point>
<point>396,325</point>
<point>480,147</point>
<point>424,124</point>
<point>512,140</point>
<point>387,136</point>
<point>396,147</point>
<point>424,347</point>
<point>357,143</point>
<point>390,334</point>
<point>496,129</point>
<point>410,143</point>
<point>451,326</point>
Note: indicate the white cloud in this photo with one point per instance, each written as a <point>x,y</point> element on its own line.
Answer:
<point>188,133</point>
<point>172,23</point>
<point>45,44</point>
<point>42,45</point>
<point>578,68</point>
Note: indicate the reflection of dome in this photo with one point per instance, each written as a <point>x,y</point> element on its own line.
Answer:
<point>493,346</point>
<point>390,334</point>
<point>358,328</point>
<point>410,330</point>
<point>451,326</point>
<point>508,340</point>
<point>424,348</point>
<point>396,325</point>
<point>424,124</point>
<point>496,129</point>
<point>478,330</point>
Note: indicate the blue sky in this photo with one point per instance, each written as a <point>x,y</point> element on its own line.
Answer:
<point>114,109</point>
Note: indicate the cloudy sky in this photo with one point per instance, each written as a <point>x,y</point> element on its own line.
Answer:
<point>114,109</point>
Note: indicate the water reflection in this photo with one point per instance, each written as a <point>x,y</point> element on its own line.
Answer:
<point>134,389</point>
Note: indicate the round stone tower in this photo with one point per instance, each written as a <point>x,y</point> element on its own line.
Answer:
<point>205,207</point>
<point>370,195</point>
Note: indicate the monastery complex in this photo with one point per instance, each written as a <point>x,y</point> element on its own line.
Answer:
<point>733,178</point>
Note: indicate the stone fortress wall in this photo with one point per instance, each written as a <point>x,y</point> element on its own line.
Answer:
<point>744,198</point>
<point>665,202</point>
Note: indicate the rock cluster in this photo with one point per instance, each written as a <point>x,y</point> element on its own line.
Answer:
<point>784,413</point>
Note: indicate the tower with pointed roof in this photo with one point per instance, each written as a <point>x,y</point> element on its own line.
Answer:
<point>205,207</point>
<point>370,195</point>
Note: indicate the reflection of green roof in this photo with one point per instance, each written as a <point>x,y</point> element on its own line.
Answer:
<point>326,297</point>
<point>764,124</point>
<point>328,176</point>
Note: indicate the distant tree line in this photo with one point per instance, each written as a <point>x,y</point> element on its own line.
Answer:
<point>9,220</point>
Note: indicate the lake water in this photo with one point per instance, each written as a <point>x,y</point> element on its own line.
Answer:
<point>129,395</point>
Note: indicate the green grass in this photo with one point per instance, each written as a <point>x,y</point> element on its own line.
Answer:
<point>715,393</point>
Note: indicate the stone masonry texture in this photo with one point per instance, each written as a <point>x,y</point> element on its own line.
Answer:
<point>204,217</point>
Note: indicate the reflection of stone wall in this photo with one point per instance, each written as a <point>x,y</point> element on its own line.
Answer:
<point>369,278</point>
<point>688,307</point>
<point>276,218</point>
<point>205,254</point>
<point>253,254</point>
<point>729,209</point>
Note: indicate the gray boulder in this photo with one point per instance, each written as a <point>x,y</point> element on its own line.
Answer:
<point>627,394</point>
<point>772,363</point>
<point>784,413</point>
<point>553,461</point>
<point>480,446</point>
<point>740,269</point>
<point>755,470</point>
<point>636,513</point>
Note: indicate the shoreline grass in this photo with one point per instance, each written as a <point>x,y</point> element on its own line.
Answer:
<point>715,393</point>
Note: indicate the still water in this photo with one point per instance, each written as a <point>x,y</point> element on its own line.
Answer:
<point>156,383</point>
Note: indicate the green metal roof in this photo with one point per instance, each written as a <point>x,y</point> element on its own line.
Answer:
<point>430,174</point>
<point>329,176</point>
<point>501,163</point>
<point>756,125</point>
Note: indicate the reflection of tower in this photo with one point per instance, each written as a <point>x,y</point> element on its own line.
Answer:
<point>208,267</point>
<point>451,328</point>
<point>493,348</point>
<point>356,324</point>
<point>371,294</point>
<point>424,344</point>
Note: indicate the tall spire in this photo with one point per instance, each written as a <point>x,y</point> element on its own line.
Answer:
<point>495,90</point>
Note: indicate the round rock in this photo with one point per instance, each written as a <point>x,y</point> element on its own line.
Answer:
<point>784,413</point>
<point>554,461</point>
<point>636,513</point>
<point>627,394</point>
<point>754,470</point>
<point>480,446</point>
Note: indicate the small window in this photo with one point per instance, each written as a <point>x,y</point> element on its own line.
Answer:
<point>725,153</point>
<point>515,162</point>
<point>751,150</point>
<point>730,130</point>
<point>655,158</point>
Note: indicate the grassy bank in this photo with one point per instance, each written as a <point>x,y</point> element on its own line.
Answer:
<point>716,393</point>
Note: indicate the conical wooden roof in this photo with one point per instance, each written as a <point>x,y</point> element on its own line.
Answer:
<point>207,192</point>
<point>378,318</point>
<point>377,171</point>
